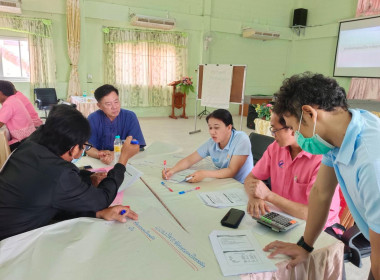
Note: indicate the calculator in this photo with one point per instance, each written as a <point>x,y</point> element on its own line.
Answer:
<point>277,222</point>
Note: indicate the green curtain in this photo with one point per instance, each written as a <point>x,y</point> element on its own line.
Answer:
<point>141,64</point>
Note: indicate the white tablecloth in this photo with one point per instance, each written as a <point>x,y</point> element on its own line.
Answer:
<point>86,105</point>
<point>88,248</point>
<point>262,127</point>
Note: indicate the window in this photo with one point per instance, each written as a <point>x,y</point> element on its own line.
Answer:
<point>142,64</point>
<point>14,59</point>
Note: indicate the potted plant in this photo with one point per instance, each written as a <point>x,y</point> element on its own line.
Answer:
<point>186,85</point>
<point>263,111</point>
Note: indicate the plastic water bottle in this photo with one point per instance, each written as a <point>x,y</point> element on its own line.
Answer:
<point>116,149</point>
<point>84,96</point>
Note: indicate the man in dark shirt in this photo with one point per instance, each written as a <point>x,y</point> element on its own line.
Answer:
<point>40,183</point>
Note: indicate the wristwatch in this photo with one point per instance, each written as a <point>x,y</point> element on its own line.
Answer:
<point>304,245</point>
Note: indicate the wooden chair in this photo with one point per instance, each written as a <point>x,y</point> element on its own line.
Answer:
<point>5,151</point>
<point>345,216</point>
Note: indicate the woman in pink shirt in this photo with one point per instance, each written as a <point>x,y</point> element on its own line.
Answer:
<point>292,172</point>
<point>14,115</point>
<point>29,107</point>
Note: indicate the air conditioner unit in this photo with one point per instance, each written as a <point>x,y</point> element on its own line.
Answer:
<point>260,35</point>
<point>10,6</point>
<point>152,22</point>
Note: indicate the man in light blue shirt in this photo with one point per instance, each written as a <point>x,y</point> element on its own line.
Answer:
<point>230,151</point>
<point>238,145</point>
<point>315,107</point>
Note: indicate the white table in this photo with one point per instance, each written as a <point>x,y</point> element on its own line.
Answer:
<point>86,105</point>
<point>86,248</point>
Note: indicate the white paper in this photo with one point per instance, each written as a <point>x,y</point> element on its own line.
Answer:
<point>226,198</point>
<point>216,85</point>
<point>153,247</point>
<point>130,176</point>
<point>238,252</point>
<point>180,177</point>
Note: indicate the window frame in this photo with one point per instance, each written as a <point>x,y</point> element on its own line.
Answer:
<point>14,79</point>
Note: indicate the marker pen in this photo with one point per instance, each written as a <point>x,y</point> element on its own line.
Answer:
<point>165,169</point>
<point>188,178</point>
<point>163,183</point>
<point>122,212</point>
<point>193,189</point>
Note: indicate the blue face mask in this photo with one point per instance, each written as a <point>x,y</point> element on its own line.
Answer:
<point>314,145</point>
<point>74,160</point>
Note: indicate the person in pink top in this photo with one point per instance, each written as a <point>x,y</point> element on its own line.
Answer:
<point>292,172</point>
<point>14,115</point>
<point>29,107</point>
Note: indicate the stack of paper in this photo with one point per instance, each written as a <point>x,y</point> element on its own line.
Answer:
<point>238,252</point>
<point>226,198</point>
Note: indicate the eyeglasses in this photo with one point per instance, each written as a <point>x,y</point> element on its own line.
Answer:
<point>87,147</point>
<point>273,131</point>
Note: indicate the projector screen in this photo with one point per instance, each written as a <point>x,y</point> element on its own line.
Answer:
<point>358,49</point>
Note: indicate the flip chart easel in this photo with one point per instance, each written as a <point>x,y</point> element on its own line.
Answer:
<point>236,93</point>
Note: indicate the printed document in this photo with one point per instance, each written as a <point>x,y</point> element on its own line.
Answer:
<point>238,252</point>
<point>226,198</point>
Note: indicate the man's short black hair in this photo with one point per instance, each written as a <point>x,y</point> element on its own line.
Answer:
<point>64,128</point>
<point>7,88</point>
<point>104,90</point>
<point>309,89</point>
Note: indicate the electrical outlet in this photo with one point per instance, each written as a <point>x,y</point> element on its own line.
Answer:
<point>89,78</point>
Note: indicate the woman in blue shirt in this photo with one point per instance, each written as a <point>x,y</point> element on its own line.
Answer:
<point>230,151</point>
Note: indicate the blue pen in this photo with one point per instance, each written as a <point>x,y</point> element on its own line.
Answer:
<point>122,212</point>
<point>134,142</point>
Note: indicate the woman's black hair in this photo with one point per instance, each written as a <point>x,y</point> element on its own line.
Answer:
<point>7,88</point>
<point>64,128</point>
<point>222,115</point>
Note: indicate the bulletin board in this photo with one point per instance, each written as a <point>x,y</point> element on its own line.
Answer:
<point>236,93</point>
<point>237,87</point>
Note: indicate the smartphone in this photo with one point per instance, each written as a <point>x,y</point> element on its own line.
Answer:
<point>85,167</point>
<point>233,218</point>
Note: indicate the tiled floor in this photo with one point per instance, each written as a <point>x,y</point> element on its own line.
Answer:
<point>177,131</point>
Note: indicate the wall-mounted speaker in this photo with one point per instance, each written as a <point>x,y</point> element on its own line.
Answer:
<point>300,17</point>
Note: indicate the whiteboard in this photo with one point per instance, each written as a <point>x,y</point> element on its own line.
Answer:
<point>216,85</point>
